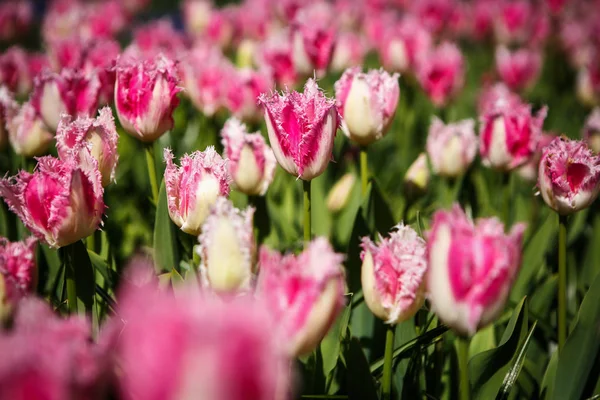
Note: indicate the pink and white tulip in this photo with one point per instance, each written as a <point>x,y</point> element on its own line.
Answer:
<point>393,274</point>
<point>403,43</point>
<point>529,170</point>
<point>227,248</point>
<point>196,16</point>
<point>8,108</point>
<point>591,130</point>
<point>242,91</point>
<point>60,203</point>
<point>509,133</point>
<point>340,193</point>
<point>471,268</point>
<point>96,137</point>
<point>193,187</point>
<point>349,51</point>
<point>251,161</point>
<point>304,293</point>
<point>441,73</point>
<point>569,176</point>
<point>513,22</point>
<point>301,129</point>
<point>15,19</point>
<point>434,14</point>
<point>18,272</point>
<point>367,103</point>
<point>72,92</point>
<point>451,147</point>
<point>27,133</point>
<point>275,55</point>
<point>518,69</point>
<point>14,71</point>
<point>158,37</point>
<point>145,96</point>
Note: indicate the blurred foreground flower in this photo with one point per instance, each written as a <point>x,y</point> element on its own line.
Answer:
<point>569,176</point>
<point>518,69</point>
<point>27,133</point>
<point>591,130</point>
<point>193,188</point>
<point>392,274</point>
<point>60,203</point>
<point>251,160</point>
<point>441,73</point>
<point>367,103</point>
<point>304,293</point>
<point>471,268</point>
<point>451,147</point>
<point>18,272</point>
<point>301,129</point>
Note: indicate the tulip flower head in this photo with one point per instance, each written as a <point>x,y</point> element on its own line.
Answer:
<point>402,44</point>
<point>441,73</point>
<point>14,71</point>
<point>18,271</point>
<point>518,69</point>
<point>349,51</point>
<point>276,56</point>
<point>340,193</point>
<point>193,188</point>
<point>301,129</point>
<point>251,160</point>
<point>529,170</point>
<point>60,203</point>
<point>393,274</point>
<point>145,96</point>
<point>471,268</point>
<point>8,108</point>
<point>27,132</point>
<point>305,293</point>
<point>569,176</point>
<point>367,103</point>
<point>591,130</point>
<point>452,147</point>
<point>243,90</point>
<point>417,177</point>
<point>98,137</point>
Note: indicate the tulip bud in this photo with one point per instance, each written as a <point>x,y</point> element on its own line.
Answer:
<point>452,147</point>
<point>417,177</point>
<point>60,203</point>
<point>227,248</point>
<point>569,175</point>
<point>251,160</point>
<point>70,92</point>
<point>591,130</point>
<point>392,274</point>
<point>8,108</point>
<point>441,73</point>
<point>367,103</point>
<point>18,272</point>
<point>245,55</point>
<point>340,193</point>
<point>27,132</point>
<point>509,133</point>
<point>518,69</point>
<point>301,129</point>
<point>98,137</point>
<point>193,188</point>
<point>145,96</point>
<point>471,268</point>
<point>305,293</point>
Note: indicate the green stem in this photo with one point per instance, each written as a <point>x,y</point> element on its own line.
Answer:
<point>509,191</point>
<point>364,171</point>
<point>307,216</point>
<point>562,281</point>
<point>387,363</point>
<point>149,147</point>
<point>463,365</point>
<point>66,256</point>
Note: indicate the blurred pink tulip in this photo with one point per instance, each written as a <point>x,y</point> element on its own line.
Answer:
<point>367,103</point>
<point>349,51</point>
<point>96,137</point>
<point>513,21</point>
<point>14,71</point>
<point>193,188</point>
<point>242,91</point>
<point>158,37</point>
<point>251,161</point>
<point>27,133</point>
<point>145,96</point>
<point>15,19</point>
<point>569,175</point>
<point>276,56</point>
<point>434,14</point>
<point>220,29</point>
<point>529,170</point>
<point>403,43</point>
<point>60,203</point>
<point>72,92</point>
<point>301,129</point>
<point>8,109</point>
<point>304,293</point>
<point>471,268</point>
<point>518,69</point>
<point>591,130</point>
<point>451,147</point>
<point>393,274</point>
<point>441,73</point>
<point>483,17</point>
<point>18,272</point>
<point>196,16</point>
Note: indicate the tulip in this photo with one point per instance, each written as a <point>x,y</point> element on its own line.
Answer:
<point>18,272</point>
<point>417,177</point>
<point>71,91</point>
<point>441,73</point>
<point>392,274</point>
<point>158,37</point>
<point>339,195</point>
<point>349,51</point>
<point>145,96</point>
<point>220,28</point>
<point>304,293</point>
<point>275,55</point>
<point>251,160</point>
<point>529,170</point>
<point>60,203</point>
<point>569,175</point>
<point>97,137</point>
<point>367,103</point>
<point>471,268</point>
<point>584,87</point>
<point>509,133</point>
<point>227,248</point>
<point>27,133</point>
<point>513,21</point>
<point>403,43</point>
<point>8,108</point>
<point>301,129</point>
<point>518,69</point>
<point>193,188</point>
<point>14,71</point>
<point>196,16</point>
<point>451,147</point>
<point>242,91</point>
<point>434,14</point>
<point>15,19</point>
<point>591,130</point>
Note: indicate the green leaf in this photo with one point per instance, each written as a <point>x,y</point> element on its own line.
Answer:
<point>376,211</point>
<point>101,266</point>
<point>331,344</point>
<point>581,349</point>
<point>488,369</point>
<point>361,385</point>
<point>51,272</point>
<point>484,340</point>
<point>76,256</point>
<point>591,261</point>
<point>166,254</point>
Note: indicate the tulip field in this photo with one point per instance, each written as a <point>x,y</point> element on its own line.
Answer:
<point>299,199</point>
